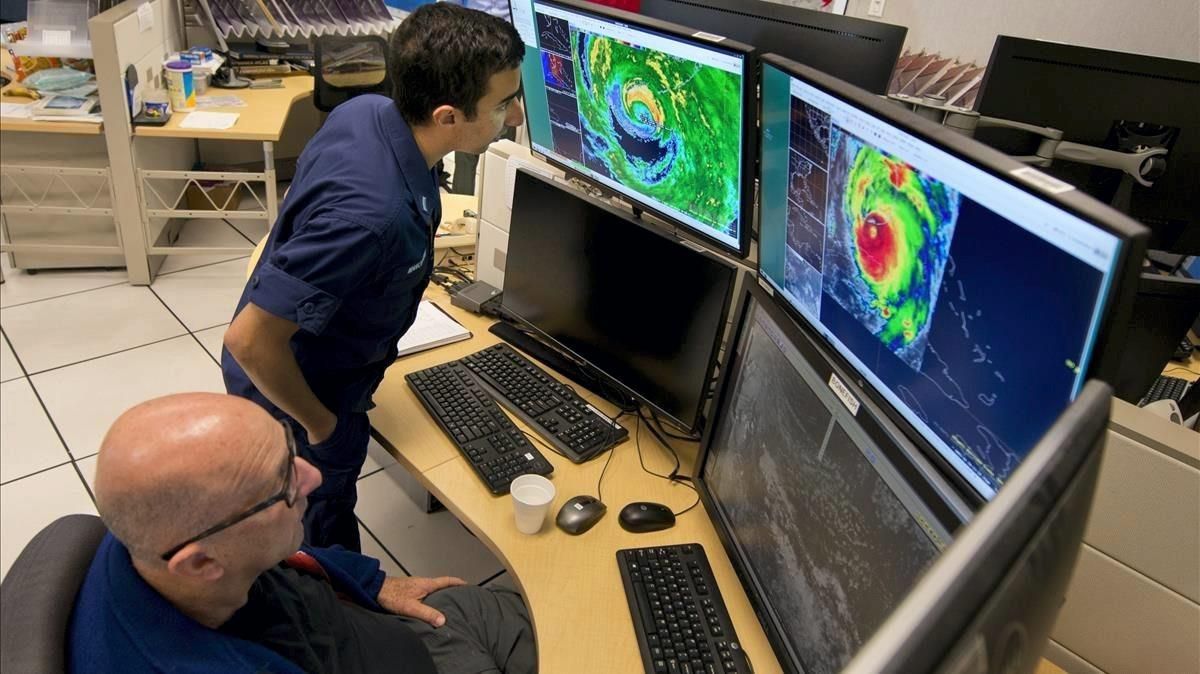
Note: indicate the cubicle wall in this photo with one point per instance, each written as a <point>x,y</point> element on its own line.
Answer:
<point>1134,601</point>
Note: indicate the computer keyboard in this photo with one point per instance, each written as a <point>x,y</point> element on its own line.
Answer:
<point>680,619</point>
<point>492,443</point>
<point>565,420</point>
<point>1166,387</point>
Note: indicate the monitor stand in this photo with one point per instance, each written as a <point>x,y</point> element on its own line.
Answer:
<point>561,364</point>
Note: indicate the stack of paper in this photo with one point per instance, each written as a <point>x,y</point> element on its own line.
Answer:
<point>433,327</point>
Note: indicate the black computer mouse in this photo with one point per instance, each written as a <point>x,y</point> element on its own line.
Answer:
<point>640,517</point>
<point>580,514</point>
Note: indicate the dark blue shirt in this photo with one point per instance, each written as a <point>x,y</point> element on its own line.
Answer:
<point>350,255</point>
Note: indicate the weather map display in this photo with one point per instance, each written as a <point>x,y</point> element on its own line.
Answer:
<point>655,117</point>
<point>970,305</point>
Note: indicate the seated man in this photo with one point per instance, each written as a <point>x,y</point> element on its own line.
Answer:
<point>203,570</point>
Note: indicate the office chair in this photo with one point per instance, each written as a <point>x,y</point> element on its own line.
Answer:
<point>347,66</point>
<point>38,594</point>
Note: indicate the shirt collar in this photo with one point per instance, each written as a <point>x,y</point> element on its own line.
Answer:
<point>422,183</point>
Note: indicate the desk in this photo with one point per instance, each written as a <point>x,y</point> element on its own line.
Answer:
<point>580,615</point>
<point>262,119</point>
<point>56,195</point>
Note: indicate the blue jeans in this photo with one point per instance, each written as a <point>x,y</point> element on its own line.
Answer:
<point>330,519</point>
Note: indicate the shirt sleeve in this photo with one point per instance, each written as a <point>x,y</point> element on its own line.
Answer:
<point>305,279</point>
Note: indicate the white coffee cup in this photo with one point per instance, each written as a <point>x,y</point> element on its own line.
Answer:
<point>532,496</point>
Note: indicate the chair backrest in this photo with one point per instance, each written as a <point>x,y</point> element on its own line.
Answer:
<point>38,594</point>
<point>346,66</point>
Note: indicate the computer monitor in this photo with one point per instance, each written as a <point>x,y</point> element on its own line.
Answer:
<point>973,294</point>
<point>1164,308</point>
<point>857,51</point>
<point>644,312</point>
<point>659,114</point>
<point>1111,100</point>
<point>828,513</point>
<point>989,602</point>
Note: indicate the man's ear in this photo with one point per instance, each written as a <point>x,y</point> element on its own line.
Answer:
<point>193,561</point>
<point>446,115</point>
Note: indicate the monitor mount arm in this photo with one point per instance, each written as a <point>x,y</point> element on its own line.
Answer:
<point>1143,164</point>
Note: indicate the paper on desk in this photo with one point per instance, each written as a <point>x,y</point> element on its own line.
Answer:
<point>16,110</point>
<point>209,120</point>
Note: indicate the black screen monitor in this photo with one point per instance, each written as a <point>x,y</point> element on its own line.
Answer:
<point>644,311</point>
<point>1112,100</point>
<point>973,294</point>
<point>857,51</point>
<point>646,110</point>
<point>829,514</point>
<point>989,602</point>
<point>1164,308</point>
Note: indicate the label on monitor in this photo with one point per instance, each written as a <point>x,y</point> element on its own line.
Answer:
<point>843,393</point>
<point>1043,181</point>
<point>708,36</point>
<point>762,282</point>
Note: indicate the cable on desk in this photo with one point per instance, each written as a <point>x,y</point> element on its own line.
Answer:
<point>674,477</point>
<point>691,437</point>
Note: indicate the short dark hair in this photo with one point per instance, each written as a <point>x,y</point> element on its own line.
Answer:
<point>444,54</point>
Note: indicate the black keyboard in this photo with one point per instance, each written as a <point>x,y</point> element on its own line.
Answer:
<point>681,623</point>
<point>553,409</point>
<point>1166,387</point>
<point>492,443</point>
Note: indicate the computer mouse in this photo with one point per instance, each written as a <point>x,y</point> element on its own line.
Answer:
<point>580,514</point>
<point>640,517</point>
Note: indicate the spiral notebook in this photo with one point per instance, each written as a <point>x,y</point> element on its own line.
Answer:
<point>432,328</point>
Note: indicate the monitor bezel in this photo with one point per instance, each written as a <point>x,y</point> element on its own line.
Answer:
<point>803,21</point>
<point>749,128</point>
<point>1132,236</point>
<point>930,486</point>
<point>689,425</point>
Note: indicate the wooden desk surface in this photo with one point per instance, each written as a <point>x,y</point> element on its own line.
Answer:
<point>262,118</point>
<point>580,615</point>
<point>32,126</point>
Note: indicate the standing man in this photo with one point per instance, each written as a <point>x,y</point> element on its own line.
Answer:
<point>345,265</point>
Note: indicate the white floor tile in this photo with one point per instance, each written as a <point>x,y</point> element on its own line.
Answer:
<point>205,232</point>
<point>88,468</point>
<point>212,339</point>
<point>28,442</point>
<point>9,369</point>
<point>372,548</point>
<point>86,325</point>
<point>20,286</point>
<point>377,458</point>
<point>28,505</point>
<point>85,399</point>
<point>204,297</point>
<point>427,545</point>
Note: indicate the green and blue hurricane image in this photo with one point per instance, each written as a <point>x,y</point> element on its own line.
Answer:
<point>667,127</point>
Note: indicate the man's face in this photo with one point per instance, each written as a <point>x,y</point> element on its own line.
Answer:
<point>497,109</point>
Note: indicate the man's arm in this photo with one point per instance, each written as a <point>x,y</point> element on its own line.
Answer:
<point>403,596</point>
<point>260,342</point>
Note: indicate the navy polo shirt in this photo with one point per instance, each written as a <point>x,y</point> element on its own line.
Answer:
<point>350,255</point>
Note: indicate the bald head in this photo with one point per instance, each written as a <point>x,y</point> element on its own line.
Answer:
<point>174,466</point>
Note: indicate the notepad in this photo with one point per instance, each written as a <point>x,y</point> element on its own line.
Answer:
<point>433,327</point>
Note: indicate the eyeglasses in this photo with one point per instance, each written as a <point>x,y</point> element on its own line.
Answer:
<point>287,494</point>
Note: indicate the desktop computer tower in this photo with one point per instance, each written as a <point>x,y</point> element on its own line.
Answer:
<point>497,172</point>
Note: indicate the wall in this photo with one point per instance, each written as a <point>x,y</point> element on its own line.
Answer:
<point>966,29</point>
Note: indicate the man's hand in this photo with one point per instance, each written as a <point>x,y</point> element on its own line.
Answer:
<point>403,596</point>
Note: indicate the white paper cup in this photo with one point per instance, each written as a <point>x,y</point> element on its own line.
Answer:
<point>531,495</point>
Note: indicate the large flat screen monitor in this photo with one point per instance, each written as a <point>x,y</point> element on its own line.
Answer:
<point>857,51</point>
<point>989,602</point>
<point>644,311</point>
<point>1111,100</point>
<point>645,109</point>
<point>813,493</point>
<point>969,292</point>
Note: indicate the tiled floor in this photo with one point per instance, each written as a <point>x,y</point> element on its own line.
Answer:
<point>78,348</point>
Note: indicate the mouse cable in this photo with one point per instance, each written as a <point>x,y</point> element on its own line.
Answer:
<point>674,477</point>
